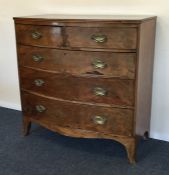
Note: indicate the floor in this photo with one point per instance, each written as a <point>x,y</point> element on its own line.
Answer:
<point>46,153</point>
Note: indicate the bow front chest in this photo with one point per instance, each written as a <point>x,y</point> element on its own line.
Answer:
<point>87,76</point>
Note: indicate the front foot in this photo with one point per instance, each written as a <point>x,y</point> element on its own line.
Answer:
<point>130,146</point>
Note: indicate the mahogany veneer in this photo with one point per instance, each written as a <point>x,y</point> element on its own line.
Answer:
<point>87,76</point>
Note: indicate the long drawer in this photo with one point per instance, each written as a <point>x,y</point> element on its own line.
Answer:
<point>120,65</point>
<point>78,116</point>
<point>88,89</point>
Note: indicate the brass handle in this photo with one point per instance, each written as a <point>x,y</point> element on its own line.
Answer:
<point>98,64</point>
<point>98,91</point>
<point>99,38</point>
<point>100,120</point>
<point>36,35</point>
<point>40,108</point>
<point>37,58</point>
<point>38,82</point>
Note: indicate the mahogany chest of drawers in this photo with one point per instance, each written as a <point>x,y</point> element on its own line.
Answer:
<point>87,76</point>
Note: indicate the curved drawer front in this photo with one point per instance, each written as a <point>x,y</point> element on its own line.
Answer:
<point>79,62</point>
<point>89,89</point>
<point>102,37</point>
<point>86,117</point>
<point>39,35</point>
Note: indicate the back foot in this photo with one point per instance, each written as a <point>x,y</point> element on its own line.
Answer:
<point>146,135</point>
<point>26,126</point>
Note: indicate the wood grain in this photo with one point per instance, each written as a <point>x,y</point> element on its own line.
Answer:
<point>120,65</point>
<point>118,121</point>
<point>84,20</point>
<point>65,86</point>
<point>50,36</point>
<point>121,38</point>
<point>144,77</point>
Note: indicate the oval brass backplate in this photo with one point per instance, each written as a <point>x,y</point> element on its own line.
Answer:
<point>36,35</point>
<point>100,120</point>
<point>98,64</point>
<point>98,91</point>
<point>40,108</point>
<point>37,58</point>
<point>39,82</point>
<point>99,38</point>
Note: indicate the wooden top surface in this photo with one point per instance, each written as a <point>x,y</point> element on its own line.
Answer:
<point>80,18</point>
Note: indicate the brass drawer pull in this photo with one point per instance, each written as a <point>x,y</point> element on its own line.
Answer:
<point>100,120</point>
<point>37,58</point>
<point>98,64</point>
<point>36,35</point>
<point>99,38</point>
<point>40,108</point>
<point>98,91</point>
<point>39,82</point>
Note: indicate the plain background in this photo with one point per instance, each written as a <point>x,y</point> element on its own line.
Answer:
<point>9,90</point>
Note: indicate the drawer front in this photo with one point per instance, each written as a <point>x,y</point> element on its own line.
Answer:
<point>89,89</point>
<point>39,35</point>
<point>79,62</point>
<point>86,117</point>
<point>112,38</point>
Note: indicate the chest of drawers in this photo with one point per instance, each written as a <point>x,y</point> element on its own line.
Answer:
<point>87,76</point>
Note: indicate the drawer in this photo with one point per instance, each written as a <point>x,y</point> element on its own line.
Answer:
<point>78,116</point>
<point>89,89</point>
<point>79,62</point>
<point>39,35</point>
<point>102,37</point>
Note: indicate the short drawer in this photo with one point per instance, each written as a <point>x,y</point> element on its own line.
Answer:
<point>79,62</point>
<point>102,37</point>
<point>89,89</point>
<point>78,116</point>
<point>39,35</point>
